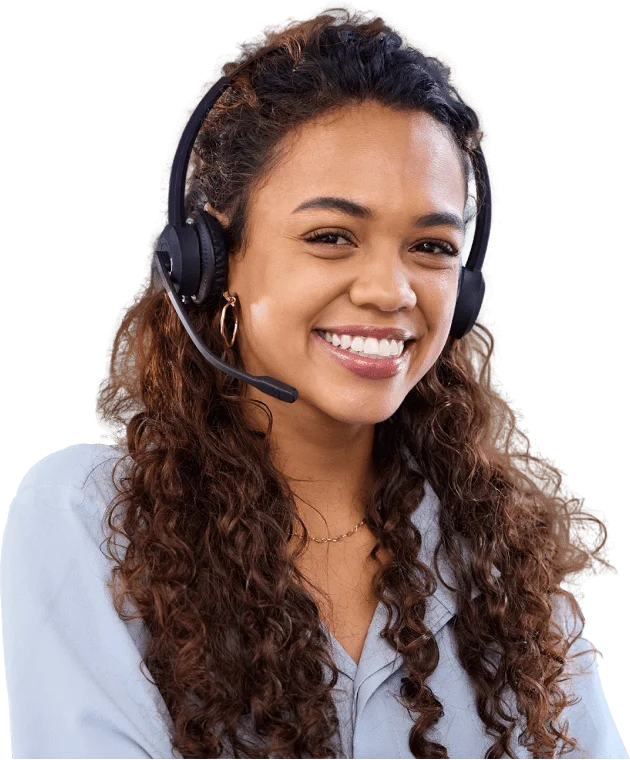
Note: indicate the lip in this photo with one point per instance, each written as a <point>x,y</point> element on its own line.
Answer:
<point>370,331</point>
<point>364,366</point>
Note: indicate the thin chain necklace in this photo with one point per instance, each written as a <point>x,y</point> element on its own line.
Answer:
<point>337,538</point>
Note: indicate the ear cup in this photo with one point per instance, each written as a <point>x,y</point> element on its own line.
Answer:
<point>213,259</point>
<point>469,299</point>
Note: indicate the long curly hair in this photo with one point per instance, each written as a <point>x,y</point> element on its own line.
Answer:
<point>234,631</point>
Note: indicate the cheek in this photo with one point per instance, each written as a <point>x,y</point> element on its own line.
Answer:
<point>436,300</point>
<point>279,320</point>
<point>279,296</point>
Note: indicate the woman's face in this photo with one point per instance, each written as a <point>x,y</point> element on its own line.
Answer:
<point>373,267</point>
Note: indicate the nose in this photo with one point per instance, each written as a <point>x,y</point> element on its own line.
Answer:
<point>384,283</point>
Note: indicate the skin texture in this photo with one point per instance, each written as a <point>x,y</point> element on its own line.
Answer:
<point>400,164</point>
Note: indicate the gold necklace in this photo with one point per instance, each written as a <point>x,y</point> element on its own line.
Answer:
<point>336,538</point>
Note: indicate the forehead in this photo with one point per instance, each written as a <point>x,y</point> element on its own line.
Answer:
<point>371,153</point>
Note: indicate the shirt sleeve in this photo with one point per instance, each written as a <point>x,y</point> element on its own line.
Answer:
<point>589,719</point>
<point>72,666</point>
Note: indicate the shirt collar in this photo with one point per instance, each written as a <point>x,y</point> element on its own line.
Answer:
<point>378,656</point>
<point>426,519</point>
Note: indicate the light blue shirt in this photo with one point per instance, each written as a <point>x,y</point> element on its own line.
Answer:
<point>73,667</point>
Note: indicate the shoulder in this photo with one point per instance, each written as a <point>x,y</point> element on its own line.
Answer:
<point>55,521</point>
<point>70,659</point>
<point>71,484</point>
<point>71,467</point>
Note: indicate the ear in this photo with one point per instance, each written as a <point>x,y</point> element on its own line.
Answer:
<point>223,219</point>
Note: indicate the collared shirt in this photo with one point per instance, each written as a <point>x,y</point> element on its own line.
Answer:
<point>72,665</point>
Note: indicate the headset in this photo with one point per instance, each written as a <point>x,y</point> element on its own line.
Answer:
<point>191,256</point>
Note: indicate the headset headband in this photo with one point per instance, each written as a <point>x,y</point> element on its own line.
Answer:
<point>194,252</point>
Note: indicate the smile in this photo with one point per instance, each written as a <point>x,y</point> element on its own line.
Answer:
<point>374,368</point>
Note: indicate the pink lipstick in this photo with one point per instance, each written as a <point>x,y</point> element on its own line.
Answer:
<point>365,366</point>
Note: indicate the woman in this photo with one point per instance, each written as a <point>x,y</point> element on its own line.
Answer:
<point>280,591</point>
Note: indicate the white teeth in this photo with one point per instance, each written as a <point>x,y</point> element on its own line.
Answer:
<point>368,346</point>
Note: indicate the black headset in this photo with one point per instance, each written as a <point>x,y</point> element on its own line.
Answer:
<point>192,262</point>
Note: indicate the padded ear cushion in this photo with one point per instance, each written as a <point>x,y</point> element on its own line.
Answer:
<point>213,280</point>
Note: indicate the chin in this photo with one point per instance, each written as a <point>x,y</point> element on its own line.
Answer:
<point>361,409</point>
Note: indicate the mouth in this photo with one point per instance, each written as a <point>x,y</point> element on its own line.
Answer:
<point>322,334</point>
<point>365,365</point>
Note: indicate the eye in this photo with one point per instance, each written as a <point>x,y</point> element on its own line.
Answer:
<point>318,237</point>
<point>321,235</point>
<point>445,247</point>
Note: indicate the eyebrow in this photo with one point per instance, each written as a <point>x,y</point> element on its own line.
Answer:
<point>346,206</point>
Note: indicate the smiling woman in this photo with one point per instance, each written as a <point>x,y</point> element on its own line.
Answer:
<point>373,570</point>
<point>397,207</point>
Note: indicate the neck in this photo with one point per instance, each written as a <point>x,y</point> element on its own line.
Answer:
<point>328,465</point>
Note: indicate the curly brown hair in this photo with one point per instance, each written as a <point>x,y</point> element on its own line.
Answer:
<point>234,631</point>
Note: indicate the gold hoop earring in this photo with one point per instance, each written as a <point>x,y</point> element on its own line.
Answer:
<point>231,301</point>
